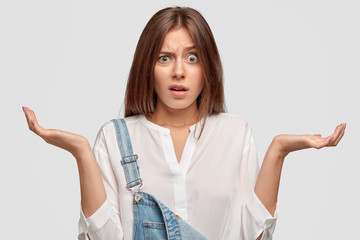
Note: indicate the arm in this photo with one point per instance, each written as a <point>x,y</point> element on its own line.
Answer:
<point>93,193</point>
<point>267,184</point>
<point>92,189</point>
<point>99,217</point>
<point>98,220</point>
<point>104,222</point>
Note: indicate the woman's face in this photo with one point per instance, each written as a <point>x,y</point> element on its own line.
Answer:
<point>178,75</point>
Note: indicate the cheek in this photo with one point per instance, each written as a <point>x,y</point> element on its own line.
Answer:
<point>200,80</point>
<point>159,79</point>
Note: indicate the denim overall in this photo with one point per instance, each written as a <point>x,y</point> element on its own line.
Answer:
<point>152,219</point>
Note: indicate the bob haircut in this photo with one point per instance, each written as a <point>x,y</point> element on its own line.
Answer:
<point>140,95</point>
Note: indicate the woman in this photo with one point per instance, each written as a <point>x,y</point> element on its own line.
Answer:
<point>196,159</point>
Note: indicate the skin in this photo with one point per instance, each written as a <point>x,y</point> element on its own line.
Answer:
<point>178,114</point>
<point>92,190</point>
<point>177,64</point>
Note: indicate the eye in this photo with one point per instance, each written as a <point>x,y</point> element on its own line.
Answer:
<point>192,58</point>
<point>164,58</point>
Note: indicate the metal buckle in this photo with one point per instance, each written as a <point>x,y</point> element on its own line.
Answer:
<point>139,186</point>
<point>137,197</point>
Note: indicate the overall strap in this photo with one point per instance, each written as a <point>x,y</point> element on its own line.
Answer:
<point>129,160</point>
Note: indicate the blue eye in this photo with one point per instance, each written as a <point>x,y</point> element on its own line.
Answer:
<point>192,58</point>
<point>164,58</point>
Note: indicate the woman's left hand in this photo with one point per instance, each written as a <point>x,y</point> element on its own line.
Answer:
<point>289,143</point>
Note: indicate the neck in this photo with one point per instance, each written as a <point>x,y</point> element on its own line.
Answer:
<point>177,118</point>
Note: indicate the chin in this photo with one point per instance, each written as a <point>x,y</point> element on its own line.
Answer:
<point>178,105</point>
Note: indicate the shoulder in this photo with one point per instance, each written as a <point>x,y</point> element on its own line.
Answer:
<point>228,120</point>
<point>226,124</point>
<point>108,127</point>
<point>106,136</point>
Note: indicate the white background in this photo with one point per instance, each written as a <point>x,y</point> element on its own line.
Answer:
<point>290,67</point>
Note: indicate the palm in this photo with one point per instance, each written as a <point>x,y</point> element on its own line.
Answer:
<point>290,143</point>
<point>65,140</point>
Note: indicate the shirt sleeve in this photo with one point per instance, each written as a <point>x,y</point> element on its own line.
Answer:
<point>105,223</point>
<point>255,218</point>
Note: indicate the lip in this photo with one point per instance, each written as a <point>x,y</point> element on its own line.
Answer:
<point>178,86</point>
<point>178,93</point>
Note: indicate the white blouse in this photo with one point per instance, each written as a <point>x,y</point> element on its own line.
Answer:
<point>212,188</point>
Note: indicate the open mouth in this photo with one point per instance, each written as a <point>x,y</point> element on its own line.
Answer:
<point>177,88</point>
<point>178,91</point>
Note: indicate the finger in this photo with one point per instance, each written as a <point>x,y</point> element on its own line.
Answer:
<point>25,109</point>
<point>337,140</point>
<point>330,139</point>
<point>35,124</point>
<point>317,135</point>
<point>336,134</point>
<point>338,127</point>
<point>29,119</point>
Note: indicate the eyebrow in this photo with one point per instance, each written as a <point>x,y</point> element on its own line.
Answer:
<point>186,49</point>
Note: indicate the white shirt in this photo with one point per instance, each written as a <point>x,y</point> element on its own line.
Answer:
<point>212,188</point>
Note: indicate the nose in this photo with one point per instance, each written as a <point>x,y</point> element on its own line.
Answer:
<point>179,70</point>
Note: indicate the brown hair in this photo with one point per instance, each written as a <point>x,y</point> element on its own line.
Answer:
<point>140,96</point>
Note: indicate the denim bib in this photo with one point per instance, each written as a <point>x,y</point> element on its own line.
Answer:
<point>152,219</point>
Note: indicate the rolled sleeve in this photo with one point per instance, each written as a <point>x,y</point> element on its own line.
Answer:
<point>256,219</point>
<point>265,222</point>
<point>103,224</point>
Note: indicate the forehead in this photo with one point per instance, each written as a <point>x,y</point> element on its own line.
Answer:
<point>177,38</point>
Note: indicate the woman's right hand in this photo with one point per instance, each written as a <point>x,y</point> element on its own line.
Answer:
<point>93,193</point>
<point>71,142</point>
